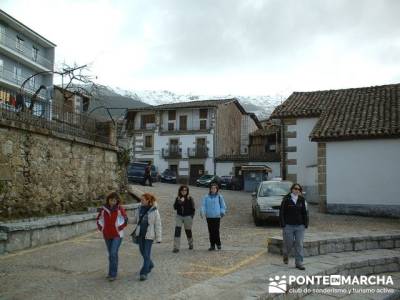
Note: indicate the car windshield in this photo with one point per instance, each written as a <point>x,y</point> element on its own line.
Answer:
<point>274,189</point>
<point>169,173</point>
<point>205,177</point>
<point>136,167</point>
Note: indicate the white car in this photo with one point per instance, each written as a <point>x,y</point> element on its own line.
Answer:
<point>267,200</point>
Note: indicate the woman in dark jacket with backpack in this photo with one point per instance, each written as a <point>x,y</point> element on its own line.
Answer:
<point>185,209</point>
<point>293,215</point>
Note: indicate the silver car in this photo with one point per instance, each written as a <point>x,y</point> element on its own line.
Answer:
<point>267,200</point>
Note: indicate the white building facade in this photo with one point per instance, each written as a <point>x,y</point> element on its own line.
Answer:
<point>183,137</point>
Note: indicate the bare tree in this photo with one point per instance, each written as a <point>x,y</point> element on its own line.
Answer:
<point>73,79</point>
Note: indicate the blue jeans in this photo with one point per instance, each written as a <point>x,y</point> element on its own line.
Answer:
<point>145,251</point>
<point>294,234</point>
<point>112,248</point>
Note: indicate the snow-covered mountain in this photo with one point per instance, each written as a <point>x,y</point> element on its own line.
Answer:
<point>262,106</point>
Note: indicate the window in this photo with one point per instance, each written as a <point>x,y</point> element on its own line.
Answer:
<point>34,53</point>
<point>148,121</point>
<point>204,113</point>
<point>2,33</point>
<point>32,82</point>
<point>182,122</point>
<point>17,74</point>
<point>203,124</point>
<point>148,141</point>
<point>171,126</point>
<point>203,118</point>
<point>19,43</point>
<point>78,104</point>
<point>1,66</point>
<point>171,115</point>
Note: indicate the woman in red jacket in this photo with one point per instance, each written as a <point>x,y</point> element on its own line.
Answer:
<point>111,220</point>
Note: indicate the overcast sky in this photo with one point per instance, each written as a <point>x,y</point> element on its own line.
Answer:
<point>217,47</point>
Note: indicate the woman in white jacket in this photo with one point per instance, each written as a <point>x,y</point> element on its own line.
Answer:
<point>148,230</point>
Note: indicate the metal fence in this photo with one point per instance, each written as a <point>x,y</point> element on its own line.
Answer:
<point>58,118</point>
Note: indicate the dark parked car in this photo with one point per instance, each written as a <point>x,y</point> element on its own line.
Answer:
<point>206,180</point>
<point>135,172</point>
<point>231,183</point>
<point>168,176</point>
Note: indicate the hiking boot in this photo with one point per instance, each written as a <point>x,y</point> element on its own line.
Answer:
<point>143,277</point>
<point>285,260</point>
<point>211,249</point>
<point>300,267</point>
<point>190,247</point>
<point>175,250</point>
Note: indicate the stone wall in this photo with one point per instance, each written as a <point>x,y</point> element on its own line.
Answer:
<point>52,173</point>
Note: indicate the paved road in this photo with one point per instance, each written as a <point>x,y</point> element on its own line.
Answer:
<point>76,268</point>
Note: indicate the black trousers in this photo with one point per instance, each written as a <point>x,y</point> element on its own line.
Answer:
<point>148,177</point>
<point>213,230</point>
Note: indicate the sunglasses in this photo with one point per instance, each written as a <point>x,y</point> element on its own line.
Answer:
<point>297,189</point>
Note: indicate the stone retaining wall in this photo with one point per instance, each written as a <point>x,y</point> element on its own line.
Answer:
<point>44,173</point>
<point>315,246</point>
<point>362,267</point>
<point>26,234</point>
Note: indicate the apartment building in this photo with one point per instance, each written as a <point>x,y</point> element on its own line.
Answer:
<point>23,52</point>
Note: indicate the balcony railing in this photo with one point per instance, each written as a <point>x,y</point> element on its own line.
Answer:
<point>198,152</point>
<point>147,126</point>
<point>11,43</point>
<point>172,152</point>
<point>10,76</point>
<point>58,118</point>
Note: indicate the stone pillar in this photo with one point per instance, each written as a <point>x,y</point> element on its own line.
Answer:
<point>112,133</point>
<point>322,176</point>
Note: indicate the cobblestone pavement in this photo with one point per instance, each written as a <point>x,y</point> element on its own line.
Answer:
<point>76,268</point>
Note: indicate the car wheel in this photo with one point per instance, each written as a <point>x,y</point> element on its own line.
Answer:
<point>257,221</point>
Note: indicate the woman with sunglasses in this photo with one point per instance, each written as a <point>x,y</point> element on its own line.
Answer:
<point>293,215</point>
<point>184,206</point>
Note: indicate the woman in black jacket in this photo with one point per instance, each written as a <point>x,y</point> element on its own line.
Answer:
<point>184,206</point>
<point>293,215</point>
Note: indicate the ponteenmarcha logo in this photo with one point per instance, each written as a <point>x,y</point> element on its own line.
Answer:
<point>277,285</point>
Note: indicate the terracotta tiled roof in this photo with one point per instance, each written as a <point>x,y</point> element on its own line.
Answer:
<point>189,104</point>
<point>369,112</point>
<point>265,131</point>
<point>303,104</point>
<point>363,113</point>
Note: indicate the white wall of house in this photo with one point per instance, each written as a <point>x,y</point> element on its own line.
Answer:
<point>306,156</point>
<point>209,166</point>
<point>185,142</point>
<point>364,172</point>
<point>138,119</point>
<point>193,119</point>
<point>225,168</point>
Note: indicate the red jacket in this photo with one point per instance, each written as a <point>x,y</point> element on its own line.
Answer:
<point>112,221</point>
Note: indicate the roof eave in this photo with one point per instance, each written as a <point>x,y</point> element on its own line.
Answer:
<point>354,137</point>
